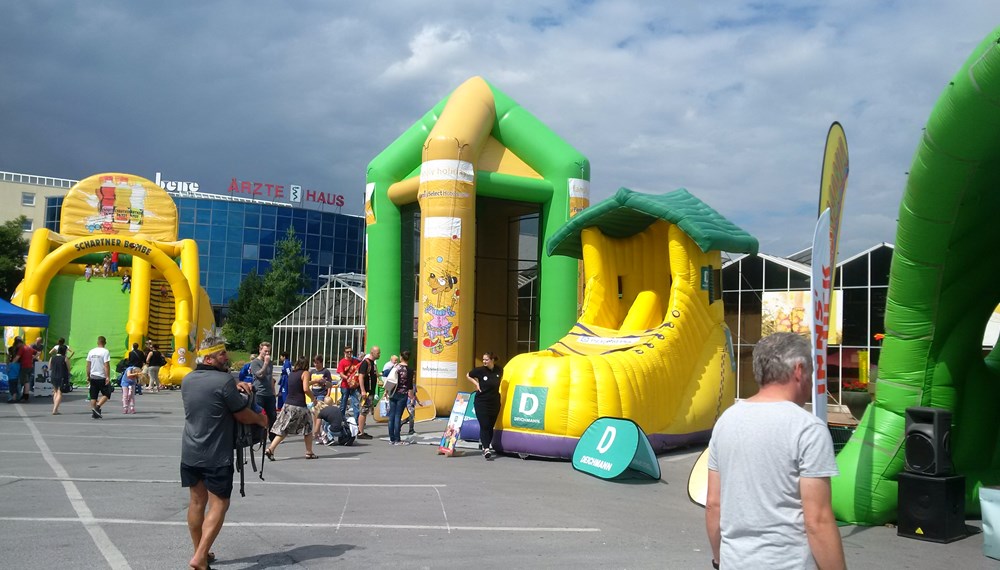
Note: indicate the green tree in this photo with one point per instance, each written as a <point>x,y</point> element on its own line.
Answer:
<point>262,301</point>
<point>240,328</point>
<point>285,280</point>
<point>13,249</point>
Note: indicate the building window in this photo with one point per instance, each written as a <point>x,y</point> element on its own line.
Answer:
<point>53,208</point>
<point>27,198</point>
<point>28,225</point>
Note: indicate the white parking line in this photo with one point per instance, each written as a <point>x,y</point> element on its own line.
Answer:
<point>130,437</point>
<point>98,454</point>
<point>54,422</point>
<point>279,483</point>
<point>84,515</point>
<point>256,524</point>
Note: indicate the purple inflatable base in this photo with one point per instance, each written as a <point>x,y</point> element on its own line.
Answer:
<point>544,445</point>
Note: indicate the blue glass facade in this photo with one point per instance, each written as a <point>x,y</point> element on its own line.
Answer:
<point>235,237</point>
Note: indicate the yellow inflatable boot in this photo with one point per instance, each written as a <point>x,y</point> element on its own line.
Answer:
<point>651,344</point>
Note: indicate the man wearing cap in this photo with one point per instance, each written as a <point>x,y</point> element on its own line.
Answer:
<point>213,403</point>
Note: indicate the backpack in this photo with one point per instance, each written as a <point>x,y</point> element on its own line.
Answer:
<point>122,366</point>
<point>392,380</point>
<point>245,439</point>
<point>353,377</point>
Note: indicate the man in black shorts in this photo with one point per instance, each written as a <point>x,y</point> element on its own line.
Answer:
<point>99,377</point>
<point>213,403</point>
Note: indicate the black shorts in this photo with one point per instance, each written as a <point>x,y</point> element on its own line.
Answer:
<point>218,480</point>
<point>100,386</point>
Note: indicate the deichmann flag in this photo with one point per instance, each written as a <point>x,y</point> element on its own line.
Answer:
<point>615,447</point>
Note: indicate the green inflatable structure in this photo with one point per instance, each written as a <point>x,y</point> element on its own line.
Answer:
<point>941,296</point>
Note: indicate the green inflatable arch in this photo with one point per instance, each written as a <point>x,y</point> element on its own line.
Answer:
<point>941,296</point>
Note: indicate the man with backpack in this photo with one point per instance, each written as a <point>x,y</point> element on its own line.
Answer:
<point>135,356</point>
<point>213,404</point>
<point>368,371</point>
<point>350,390</point>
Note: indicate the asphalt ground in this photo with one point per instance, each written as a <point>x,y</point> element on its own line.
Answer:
<point>82,493</point>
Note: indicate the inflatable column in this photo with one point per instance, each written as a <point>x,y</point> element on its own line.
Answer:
<point>447,198</point>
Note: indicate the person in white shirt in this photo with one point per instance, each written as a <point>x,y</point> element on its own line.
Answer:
<point>393,361</point>
<point>770,463</point>
<point>99,377</point>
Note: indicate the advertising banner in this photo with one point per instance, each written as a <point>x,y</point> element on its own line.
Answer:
<point>833,184</point>
<point>451,433</point>
<point>615,447</point>
<point>822,278</point>
<point>470,425</point>
<point>116,204</point>
<point>791,311</point>
<point>42,385</point>
<point>528,410</point>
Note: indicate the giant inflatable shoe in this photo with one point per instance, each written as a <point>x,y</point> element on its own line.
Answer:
<point>651,344</point>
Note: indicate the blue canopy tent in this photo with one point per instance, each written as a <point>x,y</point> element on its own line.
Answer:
<point>14,316</point>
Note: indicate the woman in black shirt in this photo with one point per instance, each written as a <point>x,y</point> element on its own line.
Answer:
<point>59,376</point>
<point>487,403</point>
<point>294,417</point>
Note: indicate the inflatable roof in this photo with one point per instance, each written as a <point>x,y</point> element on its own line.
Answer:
<point>628,213</point>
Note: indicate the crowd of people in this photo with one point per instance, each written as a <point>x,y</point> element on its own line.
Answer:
<point>306,399</point>
<point>141,371</point>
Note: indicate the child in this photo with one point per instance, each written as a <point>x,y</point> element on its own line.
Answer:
<point>88,272</point>
<point>128,381</point>
<point>126,283</point>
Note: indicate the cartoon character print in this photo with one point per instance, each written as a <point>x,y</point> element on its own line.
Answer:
<point>440,329</point>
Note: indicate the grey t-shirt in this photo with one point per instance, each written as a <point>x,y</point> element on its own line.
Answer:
<point>210,398</point>
<point>760,450</point>
<point>263,377</point>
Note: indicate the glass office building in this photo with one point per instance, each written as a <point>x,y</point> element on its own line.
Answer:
<point>236,236</point>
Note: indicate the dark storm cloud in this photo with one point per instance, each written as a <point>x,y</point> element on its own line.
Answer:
<point>728,99</point>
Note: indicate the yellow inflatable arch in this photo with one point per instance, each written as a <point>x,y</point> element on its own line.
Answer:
<point>651,344</point>
<point>123,213</point>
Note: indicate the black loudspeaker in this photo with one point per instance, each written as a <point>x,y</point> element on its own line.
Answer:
<point>931,508</point>
<point>928,441</point>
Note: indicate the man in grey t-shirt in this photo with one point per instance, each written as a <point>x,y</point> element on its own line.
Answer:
<point>213,403</point>
<point>265,390</point>
<point>770,464</point>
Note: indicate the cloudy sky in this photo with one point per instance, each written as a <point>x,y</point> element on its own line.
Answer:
<point>731,100</point>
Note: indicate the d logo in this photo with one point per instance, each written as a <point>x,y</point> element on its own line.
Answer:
<point>607,439</point>
<point>529,404</point>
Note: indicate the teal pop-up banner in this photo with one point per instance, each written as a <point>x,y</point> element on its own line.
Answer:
<point>615,447</point>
